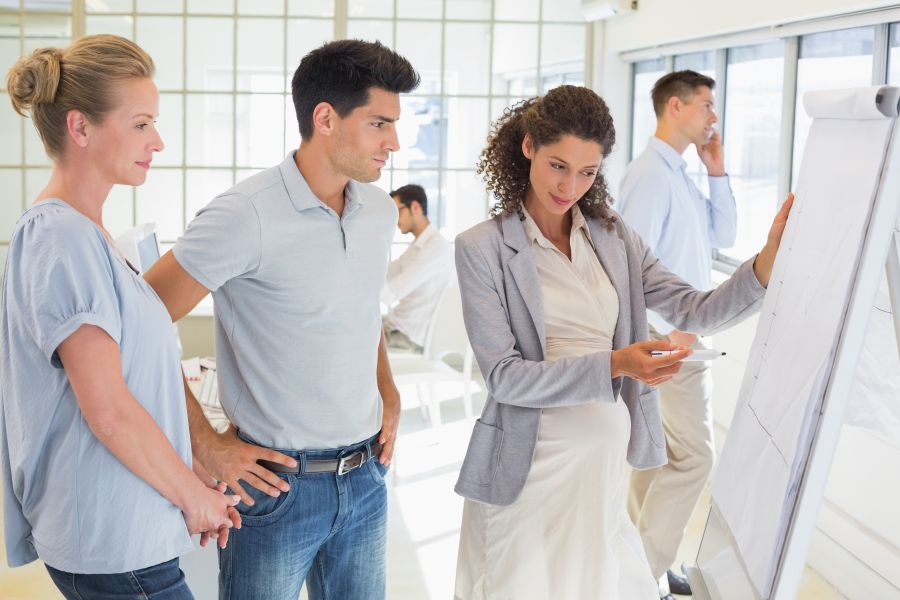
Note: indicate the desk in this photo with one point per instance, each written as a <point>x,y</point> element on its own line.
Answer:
<point>213,412</point>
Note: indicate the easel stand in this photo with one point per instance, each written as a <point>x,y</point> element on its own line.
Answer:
<point>722,574</point>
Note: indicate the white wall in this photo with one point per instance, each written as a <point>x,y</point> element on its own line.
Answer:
<point>857,545</point>
<point>659,22</point>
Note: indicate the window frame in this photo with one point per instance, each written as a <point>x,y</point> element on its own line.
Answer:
<point>190,171</point>
<point>790,34</point>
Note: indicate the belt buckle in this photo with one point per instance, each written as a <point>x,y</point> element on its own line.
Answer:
<point>347,464</point>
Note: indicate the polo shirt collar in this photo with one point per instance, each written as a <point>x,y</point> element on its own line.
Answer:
<point>303,198</point>
<point>668,153</point>
<point>352,196</point>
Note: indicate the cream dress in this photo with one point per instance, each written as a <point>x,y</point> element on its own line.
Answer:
<point>568,535</point>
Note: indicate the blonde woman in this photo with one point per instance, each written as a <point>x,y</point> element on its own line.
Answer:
<point>97,478</point>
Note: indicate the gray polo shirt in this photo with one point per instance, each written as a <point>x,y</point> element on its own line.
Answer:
<point>297,317</point>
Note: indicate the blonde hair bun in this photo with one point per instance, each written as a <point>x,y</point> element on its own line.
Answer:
<point>34,79</point>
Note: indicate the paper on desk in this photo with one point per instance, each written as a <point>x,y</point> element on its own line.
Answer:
<point>191,368</point>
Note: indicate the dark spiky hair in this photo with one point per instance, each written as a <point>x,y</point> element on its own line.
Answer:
<point>341,74</point>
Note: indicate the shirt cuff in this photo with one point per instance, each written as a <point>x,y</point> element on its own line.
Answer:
<point>720,187</point>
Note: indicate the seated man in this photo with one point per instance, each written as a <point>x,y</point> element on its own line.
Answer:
<point>416,279</point>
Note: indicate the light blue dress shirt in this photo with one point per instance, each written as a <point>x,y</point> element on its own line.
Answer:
<point>297,314</point>
<point>66,498</point>
<point>664,206</point>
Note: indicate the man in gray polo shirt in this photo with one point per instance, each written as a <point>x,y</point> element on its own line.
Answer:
<point>295,257</point>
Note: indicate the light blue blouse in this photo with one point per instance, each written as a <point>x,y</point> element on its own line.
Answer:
<point>66,498</point>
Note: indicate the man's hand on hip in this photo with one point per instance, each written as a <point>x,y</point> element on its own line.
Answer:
<point>228,458</point>
<point>390,421</point>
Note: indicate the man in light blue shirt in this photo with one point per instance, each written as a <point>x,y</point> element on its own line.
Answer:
<point>682,226</point>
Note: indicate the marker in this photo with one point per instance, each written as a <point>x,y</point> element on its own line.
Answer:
<point>697,356</point>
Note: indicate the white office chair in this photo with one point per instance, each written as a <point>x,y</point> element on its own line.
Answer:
<point>446,337</point>
<point>394,354</point>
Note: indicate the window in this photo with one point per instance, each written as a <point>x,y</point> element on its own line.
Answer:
<point>562,54</point>
<point>24,167</point>
<point>224,70</point>
<point>754,85</point>
<point>705,64</point>
<point>472,68</point>
<point>893,77</point>
<point>834,59</point>
<point>702,62</point>
<point>754,120</point>
<point>643,119</point>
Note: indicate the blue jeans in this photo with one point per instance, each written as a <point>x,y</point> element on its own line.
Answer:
<point>164,581</point>
<point>329,530</point>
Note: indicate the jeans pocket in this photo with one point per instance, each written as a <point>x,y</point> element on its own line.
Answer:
<point>165,579</point>
<point>267,509</point>
<point>377,470</point>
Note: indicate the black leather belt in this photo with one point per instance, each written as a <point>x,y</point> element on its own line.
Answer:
<point>341,466</point>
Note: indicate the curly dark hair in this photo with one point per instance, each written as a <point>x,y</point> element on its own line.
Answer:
<point>565,110</point>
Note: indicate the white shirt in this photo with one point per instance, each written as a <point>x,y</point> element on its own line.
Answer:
<point>415,282</point>
<point>664,206</point>
<point>581,307</point>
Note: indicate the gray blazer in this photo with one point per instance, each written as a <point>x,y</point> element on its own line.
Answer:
<point>504,316</point>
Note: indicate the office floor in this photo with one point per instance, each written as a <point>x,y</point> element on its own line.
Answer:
<point>425,514</point>
<point>423,524</point>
